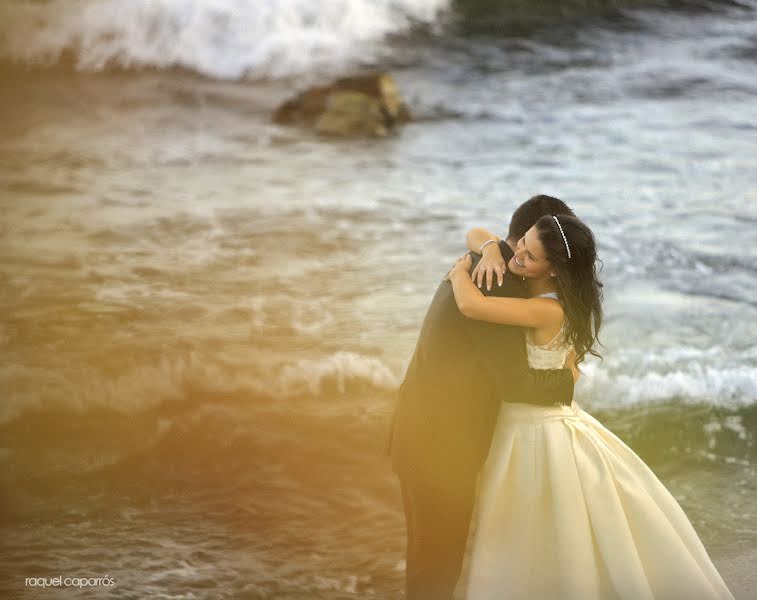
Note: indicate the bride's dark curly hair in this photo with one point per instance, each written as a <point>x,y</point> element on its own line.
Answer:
<point>578,285</point>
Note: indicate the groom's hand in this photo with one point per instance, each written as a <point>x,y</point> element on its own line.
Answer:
<point>570,363</point>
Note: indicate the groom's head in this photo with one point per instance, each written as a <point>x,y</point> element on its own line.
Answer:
<point>531,211</point>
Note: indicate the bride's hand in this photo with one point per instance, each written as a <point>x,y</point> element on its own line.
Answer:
<point>491,262</point>
<point>461,265</point>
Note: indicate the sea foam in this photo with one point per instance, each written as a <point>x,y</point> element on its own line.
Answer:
<point>195,378</point>
<point>225,39</point>
<point>692,375</point>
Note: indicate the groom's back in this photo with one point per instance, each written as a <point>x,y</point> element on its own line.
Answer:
<point>450,396</point>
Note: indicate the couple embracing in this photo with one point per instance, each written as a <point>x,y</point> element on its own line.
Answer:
<point>486,418</point>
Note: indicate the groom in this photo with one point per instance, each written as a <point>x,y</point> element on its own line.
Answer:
<point>461,371</point>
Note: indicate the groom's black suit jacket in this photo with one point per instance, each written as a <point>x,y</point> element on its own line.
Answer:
<point>460,372</point>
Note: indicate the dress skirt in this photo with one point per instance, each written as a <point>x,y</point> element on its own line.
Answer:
<point>567,511</point>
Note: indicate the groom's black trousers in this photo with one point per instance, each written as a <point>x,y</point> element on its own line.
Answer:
<point>437,515</point>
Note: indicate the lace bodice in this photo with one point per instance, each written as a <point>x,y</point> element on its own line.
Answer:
<point>551,355</point>
<point>547,356</point>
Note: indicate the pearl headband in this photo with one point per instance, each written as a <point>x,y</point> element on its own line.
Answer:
<point>564,239</point>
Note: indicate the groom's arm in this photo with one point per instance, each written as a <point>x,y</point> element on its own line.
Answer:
<point>502,353</point>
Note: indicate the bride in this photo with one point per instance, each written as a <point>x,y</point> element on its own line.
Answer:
<point>566,510</point>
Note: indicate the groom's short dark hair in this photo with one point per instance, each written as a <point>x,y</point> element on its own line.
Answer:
<point>532,210</point>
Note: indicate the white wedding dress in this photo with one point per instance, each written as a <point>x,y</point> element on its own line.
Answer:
<point>567,511</point>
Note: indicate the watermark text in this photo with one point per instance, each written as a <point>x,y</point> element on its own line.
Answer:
<point>61,581</point>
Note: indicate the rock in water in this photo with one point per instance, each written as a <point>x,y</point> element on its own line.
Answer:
<point>351,114</point>
<point>366,105</point>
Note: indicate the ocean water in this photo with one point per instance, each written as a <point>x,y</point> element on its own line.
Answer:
<point>204,317</point>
